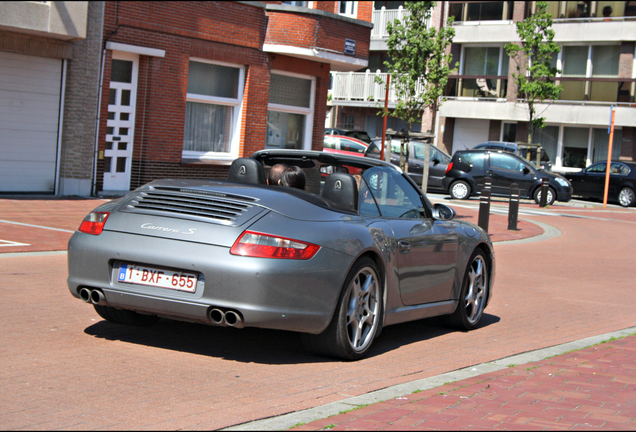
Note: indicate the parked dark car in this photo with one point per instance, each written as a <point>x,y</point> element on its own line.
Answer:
<point>468,170</point>
<point>354,133</point>
<point>335,262</point>
<point>526,152</point>
<point>436,168</point>
<point>590,182</point>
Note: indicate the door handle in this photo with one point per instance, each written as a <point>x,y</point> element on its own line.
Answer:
<point>489,173</point>
<point>404,246</point>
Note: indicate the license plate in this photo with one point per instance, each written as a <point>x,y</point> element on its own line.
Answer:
<point>156,277</point>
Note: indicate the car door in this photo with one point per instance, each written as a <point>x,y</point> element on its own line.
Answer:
<point>592,181</point>
<point>426,248</point>
<point>505,169</point>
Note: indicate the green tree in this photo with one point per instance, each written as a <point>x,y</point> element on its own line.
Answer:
<point>419,66</point>
<point>534,64</point>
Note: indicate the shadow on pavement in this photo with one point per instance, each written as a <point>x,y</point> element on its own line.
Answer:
<point>253,345</point>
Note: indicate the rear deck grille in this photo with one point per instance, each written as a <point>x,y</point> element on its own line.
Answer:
<point>190,205</point>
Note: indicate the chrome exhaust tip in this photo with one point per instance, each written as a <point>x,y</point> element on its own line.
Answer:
<point>97,297</point>
<point>233,319</point>
<point>217,316</point>
<point>85,295</point>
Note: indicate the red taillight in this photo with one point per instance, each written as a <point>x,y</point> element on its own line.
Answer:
<point>448,168</point>
<point>254,244</point>
<point>94,223</point>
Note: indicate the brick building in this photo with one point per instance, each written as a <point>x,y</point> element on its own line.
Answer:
<point>598,70</point>
<point>190,86</point>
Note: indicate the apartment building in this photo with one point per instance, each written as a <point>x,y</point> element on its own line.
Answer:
<point>598,71</point>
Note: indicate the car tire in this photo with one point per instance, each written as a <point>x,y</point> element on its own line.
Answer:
<point>626,197</point>
<point>122,316</point>
<point>550,198</point>
<point>460,190</point>
<point>473,295</point>
<point>357,318</point>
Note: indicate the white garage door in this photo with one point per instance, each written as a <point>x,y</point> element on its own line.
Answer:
<point>29,118</point>
<point>469,132</point>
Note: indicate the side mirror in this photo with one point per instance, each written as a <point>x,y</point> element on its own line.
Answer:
<point>443,212</point>
<point>526,170</point>
<point>435,161</point>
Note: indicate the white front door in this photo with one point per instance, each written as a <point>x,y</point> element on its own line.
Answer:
<point>121,122</point>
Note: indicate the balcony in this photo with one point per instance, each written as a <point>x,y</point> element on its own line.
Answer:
<point>382,17</point>
<point>360,89</point>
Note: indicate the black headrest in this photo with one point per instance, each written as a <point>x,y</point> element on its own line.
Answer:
<point>247,171</point>
<point>342,190</point>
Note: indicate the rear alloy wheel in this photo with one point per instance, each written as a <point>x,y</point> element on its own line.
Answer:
<point>626,197</point>
<point>122,316</point>
<point>549,199</point>
<point>357,317</point>
<point>460,190</point>
<point>473,296</point>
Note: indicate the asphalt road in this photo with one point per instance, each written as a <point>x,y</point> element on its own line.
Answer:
<point>62,366</point>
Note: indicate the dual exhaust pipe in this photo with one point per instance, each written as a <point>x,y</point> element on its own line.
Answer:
<point>93,296</point>
<point>227,318</point>
<point>224,318</point>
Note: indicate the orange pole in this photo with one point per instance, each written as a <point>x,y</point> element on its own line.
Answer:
<point>386,113</point>
<point>609,160</point>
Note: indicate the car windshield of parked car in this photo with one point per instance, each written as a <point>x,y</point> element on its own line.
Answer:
<point>507,162</point>
<point>394,196</point>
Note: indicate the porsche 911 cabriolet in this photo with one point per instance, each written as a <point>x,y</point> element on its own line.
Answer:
<point>335,262</point>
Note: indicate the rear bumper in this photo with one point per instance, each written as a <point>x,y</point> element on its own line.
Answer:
<point>290,295</point>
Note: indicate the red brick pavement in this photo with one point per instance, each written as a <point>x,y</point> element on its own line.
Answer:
<point>590,389</point>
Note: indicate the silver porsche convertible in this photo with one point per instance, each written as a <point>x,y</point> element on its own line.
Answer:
<point>359,248</point>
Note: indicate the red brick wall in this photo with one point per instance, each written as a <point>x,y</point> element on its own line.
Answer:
<point>315,31</point>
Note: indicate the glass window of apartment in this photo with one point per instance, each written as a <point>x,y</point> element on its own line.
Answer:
<point>578,9</point>
<point>348,8</point>
<point>600,144</point>
<point>605,60</point>
<point>213,104</point>
<point>596,61</point>
<point>295,3</point>
<point>548,137</point>
<point>481,11</point>
<point>484,61</point>
<point>290,111</point>
<point>509,132</point>
<point>609,9</point>
<point>575,143</point>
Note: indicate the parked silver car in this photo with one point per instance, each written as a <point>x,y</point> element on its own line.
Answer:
<point>335,262</point>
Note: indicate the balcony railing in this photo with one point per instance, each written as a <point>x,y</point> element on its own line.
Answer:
<point>361,87</point>
<point>483,87</point>
<point>597,89</point>
<point>382,17</point>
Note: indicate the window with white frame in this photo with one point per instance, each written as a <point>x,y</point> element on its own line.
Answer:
<point>348,8</point>
<point>290,112</point>
<point>295,3</point>
<point>213,105</point>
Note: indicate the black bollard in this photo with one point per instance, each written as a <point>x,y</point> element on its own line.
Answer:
<point>484,206</point>
<point>543,201</point>
<point>513,210</point>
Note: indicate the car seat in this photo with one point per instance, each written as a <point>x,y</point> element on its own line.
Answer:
<point>342,190</point>
<point>246,171</point>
